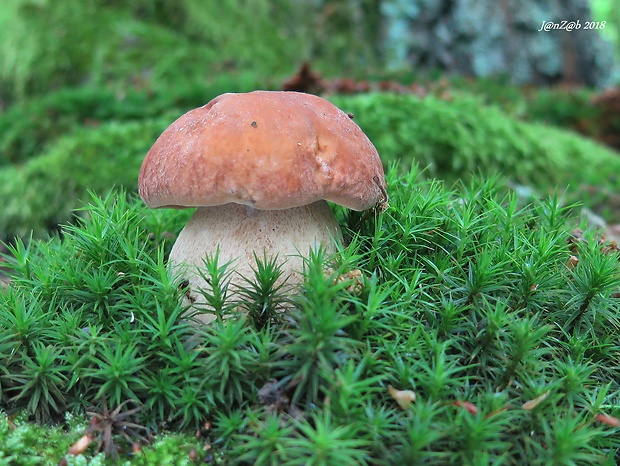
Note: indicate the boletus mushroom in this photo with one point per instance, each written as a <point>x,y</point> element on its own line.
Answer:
<point>259,167</point>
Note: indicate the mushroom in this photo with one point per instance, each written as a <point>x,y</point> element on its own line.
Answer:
<point>259,167</point>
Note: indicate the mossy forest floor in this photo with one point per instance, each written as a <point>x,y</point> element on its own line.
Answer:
<point>464,325</point>
<point>474,322</point>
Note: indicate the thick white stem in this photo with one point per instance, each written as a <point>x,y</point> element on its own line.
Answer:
<point>240,231</point>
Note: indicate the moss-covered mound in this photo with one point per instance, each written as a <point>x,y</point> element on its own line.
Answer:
<point>461,136</point>
<point>42,193</point>
<point>50,45</point>
<point>498,317</point>
<point>453,138</point>
<point>28,128</point>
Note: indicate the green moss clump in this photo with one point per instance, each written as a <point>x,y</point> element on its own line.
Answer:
<point>28,128</point>
<point>570,109</point>
<point>501,319</point>
<point>45,46</point>
<point>27,444</point>
<point>459,136</point>
<point>41,194</point>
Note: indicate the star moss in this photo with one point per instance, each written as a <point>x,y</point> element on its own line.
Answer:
<point>492,309</point>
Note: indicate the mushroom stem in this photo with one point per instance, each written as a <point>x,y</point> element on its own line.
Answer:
<point>240,231</point>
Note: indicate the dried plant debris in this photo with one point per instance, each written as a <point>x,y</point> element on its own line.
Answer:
<point>577,238</point>
<point>274,398</point>
<point>272,395</point>
<point>310,81</point>
<point>108,424</point>
<point>354,279</point>
<point>531,404</point>
<point>404,398</point>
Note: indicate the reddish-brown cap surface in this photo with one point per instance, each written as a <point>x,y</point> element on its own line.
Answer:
<point>265,149</point>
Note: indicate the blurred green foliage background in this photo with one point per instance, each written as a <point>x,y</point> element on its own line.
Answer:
<point>607,10</point>
<point>86,86</point>
<point>47,44</point>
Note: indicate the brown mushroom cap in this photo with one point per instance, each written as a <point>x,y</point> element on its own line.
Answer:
<point>266,149</point>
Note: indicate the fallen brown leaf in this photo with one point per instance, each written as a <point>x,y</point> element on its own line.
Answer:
<point>78,447</point>
<point>404,398</point>
<point>607,419</point>
<point>497,411</point>
<point>472,408</point>
<point>572,262</point>
<point>529,405</point>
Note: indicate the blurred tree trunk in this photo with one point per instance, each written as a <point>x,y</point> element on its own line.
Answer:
<point>502,37</point>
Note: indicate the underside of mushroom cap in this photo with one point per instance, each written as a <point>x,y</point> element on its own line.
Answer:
<point>265,149</point>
